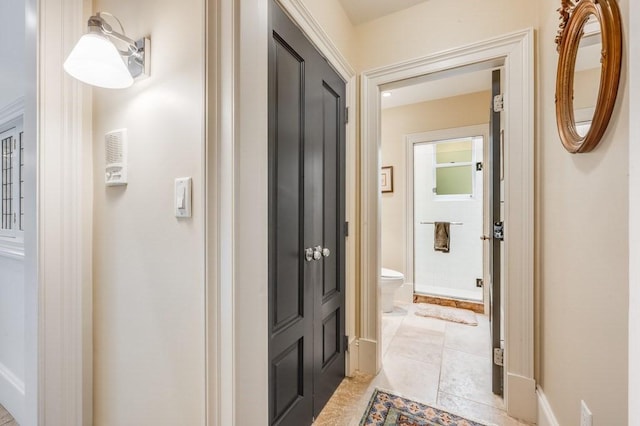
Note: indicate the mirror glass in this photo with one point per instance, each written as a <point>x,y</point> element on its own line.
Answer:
<point>586,83</point>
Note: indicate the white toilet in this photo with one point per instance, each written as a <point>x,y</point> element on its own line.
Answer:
<point>390,281</point>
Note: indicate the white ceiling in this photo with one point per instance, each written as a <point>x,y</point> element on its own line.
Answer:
<point>360,11</point>
<point>461,84</point>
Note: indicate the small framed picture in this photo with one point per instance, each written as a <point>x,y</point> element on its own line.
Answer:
<point>386,179</point>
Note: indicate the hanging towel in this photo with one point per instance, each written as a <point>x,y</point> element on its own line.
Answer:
<point>441,236</point>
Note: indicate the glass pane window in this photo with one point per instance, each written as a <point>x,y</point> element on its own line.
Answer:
<point>21,177</point>
<point>454,152</point>
<point>7,181</point>
<point>457,180</point>
<point>12,180</point>
<point>454,168</point>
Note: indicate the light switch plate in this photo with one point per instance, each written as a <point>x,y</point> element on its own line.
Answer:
<point>182,197</point>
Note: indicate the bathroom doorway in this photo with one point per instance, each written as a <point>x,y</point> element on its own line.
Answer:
<point>435,136</point>
<point>514,54</point>
<point>434,229</point>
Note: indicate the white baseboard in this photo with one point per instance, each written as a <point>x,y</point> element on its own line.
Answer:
<point>353,357</point>
<point>12,394</point>
<point>545,414</point>
<point>367,356</point>
<point>521,399</point>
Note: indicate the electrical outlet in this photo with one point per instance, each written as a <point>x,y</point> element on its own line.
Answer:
<point>586,418</point>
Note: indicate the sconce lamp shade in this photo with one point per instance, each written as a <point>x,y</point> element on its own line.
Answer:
<point>95,60</point>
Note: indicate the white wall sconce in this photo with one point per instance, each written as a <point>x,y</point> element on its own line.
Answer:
<point>97,61</point>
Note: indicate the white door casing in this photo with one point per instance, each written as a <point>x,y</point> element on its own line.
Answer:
<point>58,170</point>
<point>516,50</point>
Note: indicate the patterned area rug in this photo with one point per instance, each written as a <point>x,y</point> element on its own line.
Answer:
<point>387,409</point>
<point>462,316</point>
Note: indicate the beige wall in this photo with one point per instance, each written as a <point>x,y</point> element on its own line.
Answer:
<point>149,294</point>
<point>458,111</point>
<point>438,25</point>
<point>634,211</point>
<point>582,221</point>
<point>581,205</point>
<point>336,23</point>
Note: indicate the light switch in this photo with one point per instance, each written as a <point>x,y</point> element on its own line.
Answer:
<point>183,197</point>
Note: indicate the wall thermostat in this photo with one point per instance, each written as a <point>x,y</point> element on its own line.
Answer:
<point>115,144</point>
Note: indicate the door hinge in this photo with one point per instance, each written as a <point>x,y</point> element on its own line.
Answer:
<point>346,229</point>
<point>498,103</point>
<point>498,231</point>
<point>479,282</point>
<point>346,343</point>
<point>498,357</point>
<point>346,115</point>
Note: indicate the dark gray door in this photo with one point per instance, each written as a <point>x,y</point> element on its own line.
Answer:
<point>306,226</point>
<point>496,240</point>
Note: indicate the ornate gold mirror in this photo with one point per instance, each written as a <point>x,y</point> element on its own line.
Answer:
<point>590,46</point>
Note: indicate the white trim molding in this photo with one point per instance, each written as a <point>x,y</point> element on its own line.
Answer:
<point>516,52</point>
<point>58,232</point>
<point>545,413</point>
<point>237,215</point>
<point>219,209</point>
<point>12,110</point>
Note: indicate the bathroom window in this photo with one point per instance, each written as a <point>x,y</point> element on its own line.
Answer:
<point>454,168</point>
<point>12,186</point>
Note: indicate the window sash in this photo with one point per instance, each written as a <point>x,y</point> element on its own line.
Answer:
<point>12,181</point>
<point>456,164</point>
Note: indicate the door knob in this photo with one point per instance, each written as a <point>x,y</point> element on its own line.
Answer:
<point>317,253</point>
<point>309,254</point>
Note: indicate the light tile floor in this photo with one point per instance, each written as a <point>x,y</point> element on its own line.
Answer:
<point>5,418</point>
<point>436,362</point>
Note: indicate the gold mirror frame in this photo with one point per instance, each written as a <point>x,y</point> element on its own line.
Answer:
<point>573,17</point>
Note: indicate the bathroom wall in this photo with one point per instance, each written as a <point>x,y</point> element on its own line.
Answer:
<point>12,291</point>
<point>451,274</point>
<point>149,320</point>
<point>458,111</point>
